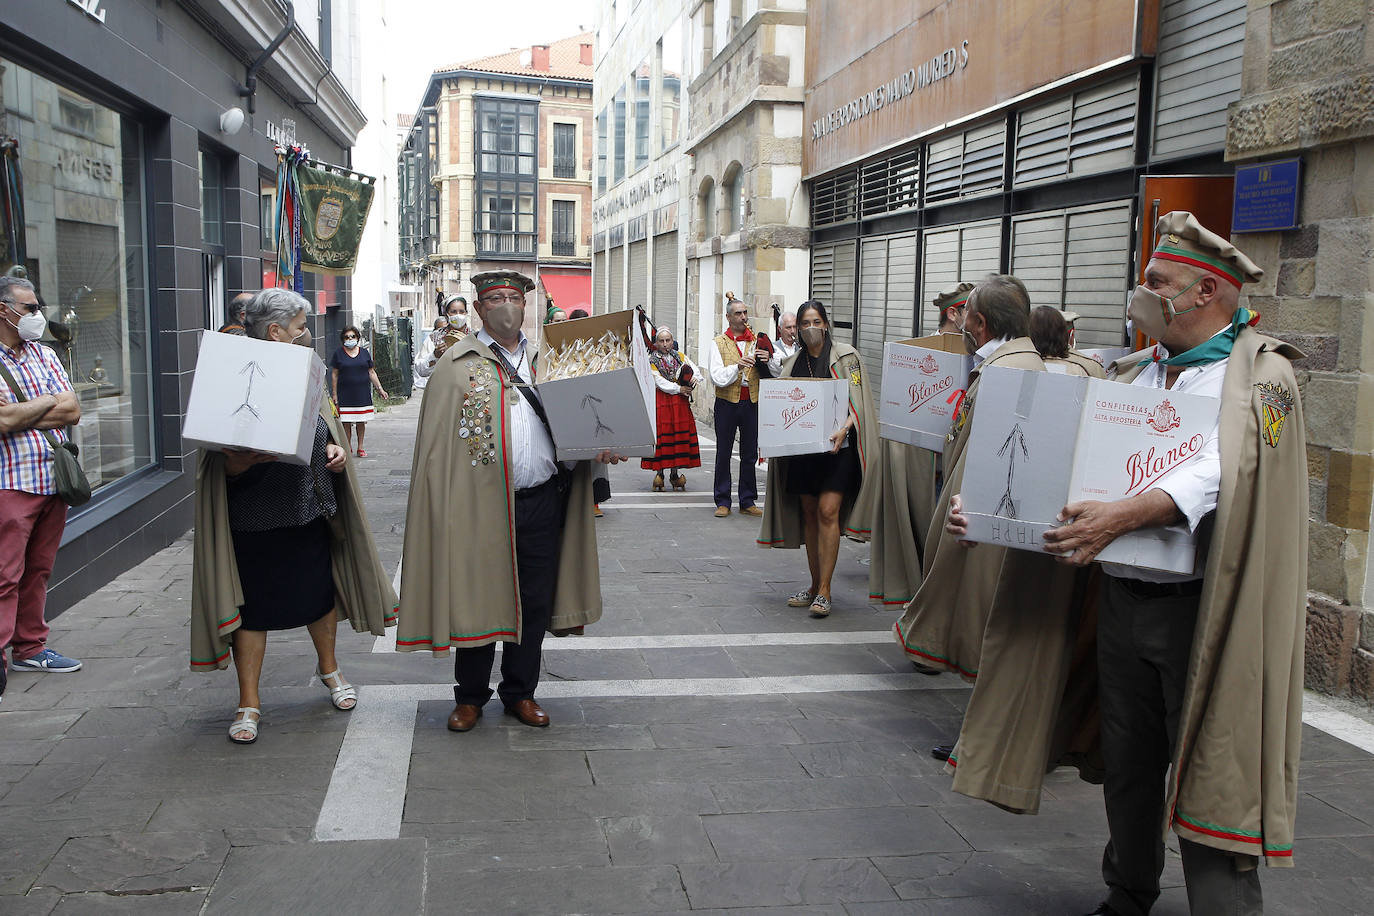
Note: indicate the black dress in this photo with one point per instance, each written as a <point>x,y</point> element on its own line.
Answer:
<point>279,517</point>
<point>812,475</point>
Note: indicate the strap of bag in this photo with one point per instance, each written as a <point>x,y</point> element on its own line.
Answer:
<point>21,397</point>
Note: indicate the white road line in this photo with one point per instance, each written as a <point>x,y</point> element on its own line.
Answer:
<point>620,505</point>
<point>367,792</point>
<point>1317,713</point>
<point>387,643</point>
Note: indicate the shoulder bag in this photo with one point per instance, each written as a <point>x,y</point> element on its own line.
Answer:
<point>72,486</point>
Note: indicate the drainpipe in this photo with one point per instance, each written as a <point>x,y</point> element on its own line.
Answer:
<point>250,87</point>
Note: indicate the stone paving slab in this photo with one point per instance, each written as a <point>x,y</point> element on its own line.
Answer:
<point>808,803</point>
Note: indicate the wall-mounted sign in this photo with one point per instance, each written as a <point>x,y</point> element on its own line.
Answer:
<point>90,8</point>
<point>636,194</point>
<point>944,64</point>
<point>1266,196</point>
<point>283,135</point>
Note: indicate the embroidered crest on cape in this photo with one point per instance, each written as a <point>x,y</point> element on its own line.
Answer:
<point>854,377</point>
<point>1276,403</point>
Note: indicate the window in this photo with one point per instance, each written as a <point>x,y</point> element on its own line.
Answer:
<point>734,200</point>
<point>506,145</point>
<point>618,172</point>
<point>640,81</point>
<point>670,93</point>
<point>211,199</point>
<point>267,212</point>
<point>564,228</point>
<point>565,151</point>
<point>602,121</point>
<point>706,211</point>
<point>82,169</point>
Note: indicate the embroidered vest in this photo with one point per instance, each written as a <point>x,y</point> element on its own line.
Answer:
<point>729,354</point>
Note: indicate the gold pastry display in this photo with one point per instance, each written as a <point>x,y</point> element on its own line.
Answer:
<point>586,357</point>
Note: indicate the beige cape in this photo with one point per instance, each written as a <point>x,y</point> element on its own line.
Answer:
<point>943,624</point>
<point>460,586</point>
<point>904,506</point>
<point>362,589</point>
<point>1233,780</point>
<point>782,518</point>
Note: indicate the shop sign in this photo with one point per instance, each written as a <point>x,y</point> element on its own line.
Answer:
<point>942,65</point>
<point>90,8</point>
<point>635,195</point>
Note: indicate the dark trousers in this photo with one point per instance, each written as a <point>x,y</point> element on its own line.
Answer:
<point>539,514</point>
<point>1143,644</point>
<point>744,419</point>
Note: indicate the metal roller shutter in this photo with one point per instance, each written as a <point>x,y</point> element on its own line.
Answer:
<point>887,290</point>
<point>832,282</point>
<point>615,279</point>
<point>599,282</point>
<point>1197,73</point>
<point>639,273</point>
<point>1078,259</point>
<point>666,270</point>
<point>950,254</point>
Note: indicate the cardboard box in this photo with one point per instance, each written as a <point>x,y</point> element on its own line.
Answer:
<point>924,380</point>
<point>255,394</point>
<point>1041,441</point>
<point>1106,355</point>
<point>798,415</point>
<point>613,410</point>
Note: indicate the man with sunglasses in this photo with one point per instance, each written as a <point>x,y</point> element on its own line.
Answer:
<point>31,514</point>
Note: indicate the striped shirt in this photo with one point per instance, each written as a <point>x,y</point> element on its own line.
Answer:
<point>25,458</point>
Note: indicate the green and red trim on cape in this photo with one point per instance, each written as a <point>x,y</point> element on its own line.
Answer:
<point>456,638</point>
<point>890,601</point>
<point>1206,262</point>
<point>1236,836</point>
<point>931,656</point>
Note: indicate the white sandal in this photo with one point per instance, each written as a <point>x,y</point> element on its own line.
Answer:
<point>242,723</point>
<point>338,695</point>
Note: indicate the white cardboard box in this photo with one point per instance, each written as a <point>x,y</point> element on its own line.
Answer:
<point>797,416</point>
<point>924,380</point>
<point>613,410</point>
<point>255,394</point>
<point>1041,441</point>
<point>1105,356</point>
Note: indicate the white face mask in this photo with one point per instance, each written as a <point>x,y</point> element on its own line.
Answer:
<point>1153,313</point>
<point>458,321</point>
<point>32,326</point>
<point>351,343</point>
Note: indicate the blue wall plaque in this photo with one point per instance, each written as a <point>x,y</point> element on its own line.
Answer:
<point>1266,197</point>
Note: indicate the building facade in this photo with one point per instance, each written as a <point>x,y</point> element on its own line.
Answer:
<point>639,220</point>
<point>143,215</point>
<point>496,173</point>
<point>747,211</point>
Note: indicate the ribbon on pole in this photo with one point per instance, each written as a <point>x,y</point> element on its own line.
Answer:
<point>288,217</point>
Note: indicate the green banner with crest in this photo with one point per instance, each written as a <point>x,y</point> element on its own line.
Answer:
<point>334,207</point>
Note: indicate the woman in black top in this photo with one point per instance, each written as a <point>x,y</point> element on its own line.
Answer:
<point>353,379</point>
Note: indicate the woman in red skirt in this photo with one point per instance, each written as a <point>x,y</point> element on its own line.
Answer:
<point>675,377</point>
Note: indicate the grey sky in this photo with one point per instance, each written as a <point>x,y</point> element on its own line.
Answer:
<point>426,35</point>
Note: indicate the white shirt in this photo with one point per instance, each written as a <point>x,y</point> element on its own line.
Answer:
<point>722,375</point>
<point>781,353</point>
<point>1192,486</point>
<point>531,449</point>
<point>986,350</point>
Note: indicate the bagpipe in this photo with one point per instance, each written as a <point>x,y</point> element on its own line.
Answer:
<point>649,331</point>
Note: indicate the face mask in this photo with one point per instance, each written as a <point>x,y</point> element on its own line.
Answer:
<point>31,326</point>
<point>351,343</point>
<point>970,343</point>
<point>303,338</point>
<point>813,337</point>
<point>504,320</point>
<point>458,321</point>
<point>1153,313</point>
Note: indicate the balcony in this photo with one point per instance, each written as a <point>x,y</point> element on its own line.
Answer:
<point>564,167</point>
<point>507,245</point>
<point>564,246</point>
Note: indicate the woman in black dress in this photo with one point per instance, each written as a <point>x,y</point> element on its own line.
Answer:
<point>279,517</point>
<point>353,379</point>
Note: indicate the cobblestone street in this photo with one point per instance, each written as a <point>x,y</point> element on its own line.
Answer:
<point>711,751</point>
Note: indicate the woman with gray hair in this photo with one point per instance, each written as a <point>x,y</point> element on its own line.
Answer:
<point>280,546</point>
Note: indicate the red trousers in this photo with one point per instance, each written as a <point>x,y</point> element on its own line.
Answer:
<point>30,532</point>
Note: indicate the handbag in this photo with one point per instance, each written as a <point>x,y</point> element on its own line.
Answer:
<point>72,486</point>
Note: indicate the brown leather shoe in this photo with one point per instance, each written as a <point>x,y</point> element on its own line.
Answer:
<point>464,717</point>
<point>722,511</point>
<point>755,511</point>
<point>528,712</point>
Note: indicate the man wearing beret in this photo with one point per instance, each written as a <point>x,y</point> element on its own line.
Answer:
<point>1200,675</point>
<point>499,544</point>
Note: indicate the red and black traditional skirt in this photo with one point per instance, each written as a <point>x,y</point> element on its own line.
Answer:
<point>677,435</point>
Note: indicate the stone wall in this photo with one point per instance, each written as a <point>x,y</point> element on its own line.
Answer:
<point>1308,90</point>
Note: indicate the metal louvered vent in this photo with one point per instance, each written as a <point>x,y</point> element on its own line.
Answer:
<point>834,199</point>
<point>1197,73</point>
<point>1079,134</point>
<point>966,164</point>
<point>891,185</point>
